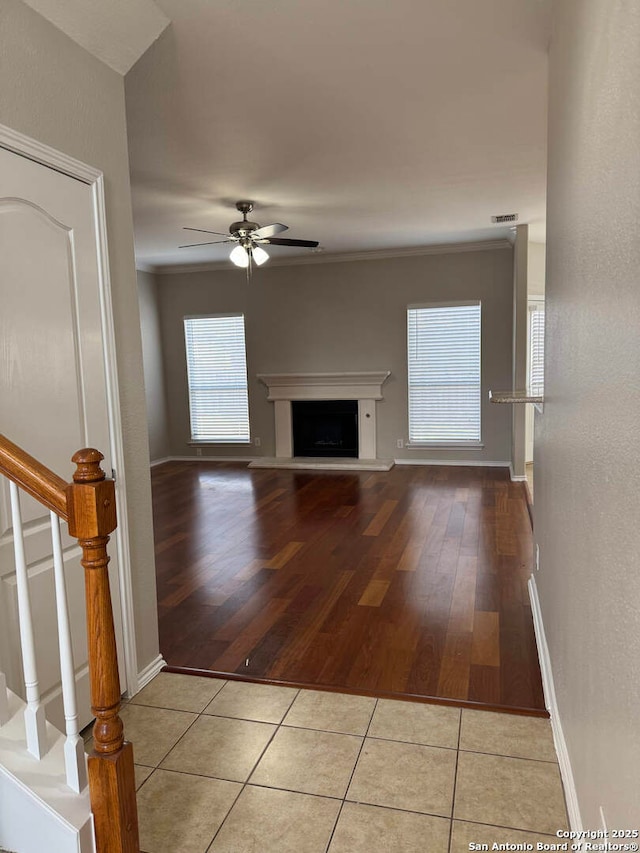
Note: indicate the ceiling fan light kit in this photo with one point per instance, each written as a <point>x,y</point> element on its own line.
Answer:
<point>249,235</point>
<point>240,256</point>
<point>259,255</point>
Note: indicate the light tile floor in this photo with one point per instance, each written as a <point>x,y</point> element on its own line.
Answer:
<point>229,767</point>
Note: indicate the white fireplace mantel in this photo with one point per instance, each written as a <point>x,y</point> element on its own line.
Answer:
<point>365,387</point>
<point>325,386</point>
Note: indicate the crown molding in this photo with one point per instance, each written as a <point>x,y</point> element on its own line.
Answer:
<point>337,257</point>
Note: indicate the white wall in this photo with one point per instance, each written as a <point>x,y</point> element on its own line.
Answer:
<point>153,371</point>
<point>587,440</point>
<point>55,92</point>
<point>340,317</point>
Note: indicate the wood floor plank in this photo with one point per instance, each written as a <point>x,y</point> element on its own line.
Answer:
<point>240,649</point>
<point>485,647</point>
<point>413,551</point>
<point>305,638</point>
<point>484,684</point>
<point>408,582</point>
<point>380,519</point>
<point>374,594</point>
<point>284,555</point>
<point>455,668</point>
<point>461,615</point>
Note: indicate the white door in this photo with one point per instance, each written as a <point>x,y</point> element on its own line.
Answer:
<point>53,397</point>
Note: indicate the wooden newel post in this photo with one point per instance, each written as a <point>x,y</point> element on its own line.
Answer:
<point>92,517</point>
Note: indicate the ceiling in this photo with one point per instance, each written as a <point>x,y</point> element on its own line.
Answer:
<point>368,125</point>
<point>115,31</point>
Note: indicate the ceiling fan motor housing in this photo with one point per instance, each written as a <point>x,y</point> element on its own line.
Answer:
<point>243,228</point>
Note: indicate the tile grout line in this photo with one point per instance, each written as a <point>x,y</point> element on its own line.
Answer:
<point>282,725</point>
<point>198,715</point>
<point>253,769</point>
<point>511,828</point>
<point>346,790</point>
<point>455,781</point>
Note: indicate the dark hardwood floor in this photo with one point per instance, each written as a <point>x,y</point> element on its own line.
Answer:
<point>409,582</point>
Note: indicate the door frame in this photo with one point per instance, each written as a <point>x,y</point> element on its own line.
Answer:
<point>37,151</point>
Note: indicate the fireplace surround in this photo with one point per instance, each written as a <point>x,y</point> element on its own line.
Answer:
<point>365,388</point>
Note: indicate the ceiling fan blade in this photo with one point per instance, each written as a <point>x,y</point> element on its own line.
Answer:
<point>209,243</point>
<point>269,230</point>
<point>284,241</point>
<point>204,231</point>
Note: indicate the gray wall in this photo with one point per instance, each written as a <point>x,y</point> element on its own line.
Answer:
<point>519,349</point>
<point>587,440</point>
<point>56,92</point>
<point>343,316</point>
<point>153,371</point>
<point>536,260</point>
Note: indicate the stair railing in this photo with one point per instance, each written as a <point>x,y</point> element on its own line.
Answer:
<point>88,506</point>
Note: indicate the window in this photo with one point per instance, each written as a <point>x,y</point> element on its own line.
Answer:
<point>217,374</point>
<point>444,373</point>
<point>536,347</point>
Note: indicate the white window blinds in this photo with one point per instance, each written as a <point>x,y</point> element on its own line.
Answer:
<point>444,373</point>
<point>217,373</point>
<point>536,348</point>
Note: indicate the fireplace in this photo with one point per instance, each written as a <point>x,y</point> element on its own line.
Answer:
<point>348,399</point>
<point>325,428</point>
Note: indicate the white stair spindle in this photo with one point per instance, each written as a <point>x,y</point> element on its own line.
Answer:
<point>34,719</point>
<point>4,700</point>
<point>74,755</point>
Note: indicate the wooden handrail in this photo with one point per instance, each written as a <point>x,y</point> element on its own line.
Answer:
<point>88,505</point>
<point>35,478</point>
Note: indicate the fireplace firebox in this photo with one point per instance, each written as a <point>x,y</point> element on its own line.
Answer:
<point>325,428</point>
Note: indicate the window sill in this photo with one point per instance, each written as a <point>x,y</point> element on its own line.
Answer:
<point>444,445</point>
<point>210,442</point>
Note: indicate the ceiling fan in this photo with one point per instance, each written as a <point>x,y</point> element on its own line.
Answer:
<point>250,238</point>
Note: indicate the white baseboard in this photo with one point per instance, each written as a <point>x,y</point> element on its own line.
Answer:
<point>571,796</point>
<point>150,671</point>
<point>466,463</point>
<point>164,459</point>
<point>516,478</point>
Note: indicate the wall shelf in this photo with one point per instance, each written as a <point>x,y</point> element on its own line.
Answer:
<point>517,397</point>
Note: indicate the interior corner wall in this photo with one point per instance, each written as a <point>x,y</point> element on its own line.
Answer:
<point>153,370</point>
<point>340,317</point>
<point>587,439</point>
<point>54,91</point>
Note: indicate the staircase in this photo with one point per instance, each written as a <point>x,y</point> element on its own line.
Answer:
<point>51,797</point>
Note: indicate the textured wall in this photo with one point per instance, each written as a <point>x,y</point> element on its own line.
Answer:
<point>346,316</point>
<point>587,440</point>
<point>153,371</point>
<point>54,91</point>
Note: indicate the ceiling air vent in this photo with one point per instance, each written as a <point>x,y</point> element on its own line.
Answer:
<point>505,217</point>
